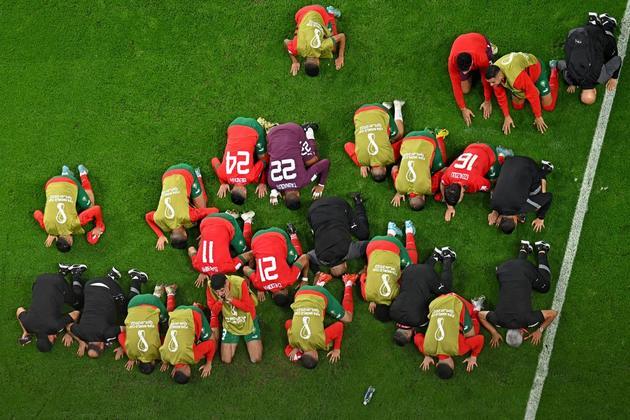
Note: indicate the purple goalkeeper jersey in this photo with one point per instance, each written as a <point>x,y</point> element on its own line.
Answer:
<point>286,161</point>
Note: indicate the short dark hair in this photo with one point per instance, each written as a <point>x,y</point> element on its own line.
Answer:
<point>281,299</point>
<point>381,312</point>
<point>417,203</point>
<point>178,242</point>
<point>444,371</point>
<point>492,71</point>
<point>63,245</point>
<point>292,201</point>
<point>464,61</point>
<point>379,177</point>
<point>311,68</point>
<point>181,378</point>
<point>217,281</point>
<point>400,337</point>
<point>308,361</point>
<point>237,197</point>
<point>145,367</point>
<point>43,343</point>
<point>94,347</point>
<point>452,193</point>
<point>507,225</point>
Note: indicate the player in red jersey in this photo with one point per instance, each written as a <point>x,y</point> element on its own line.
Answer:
<point>238,169</point>
<point>472,171</point>
<point>277,264</point>
<point>470,52</point>
<point>218,233</point>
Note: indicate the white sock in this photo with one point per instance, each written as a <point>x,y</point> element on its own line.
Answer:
<point>310,134</point>
<point>391,233</point>
<point>348,283</point>
<point>398,111</point>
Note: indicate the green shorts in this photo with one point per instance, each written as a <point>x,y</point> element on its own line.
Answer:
<point>543,80</point>
<point>229,338</point>
<point>393,128</point>
<point>495,169</point>
<point>261,144</point>
<point>438,159</point>
<point>195,190</point>
<point>292,254</point>
<point>83,199</point>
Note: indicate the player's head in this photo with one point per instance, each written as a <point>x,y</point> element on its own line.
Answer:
<point>45,342</point>
<point>281,297</point>
<point>64,243</point>
<point>507,224</point>
<point>379,173</point>
<point>494,75</point>
<point>311,66</point>
<point>179,238</point>
<point>218,283</point>
<point>309,359</point>
<point>402,336</point>
<point>514,338</point>
<point>416,202</point>
<point>381,312</point>
<point>238,194</point>
<point>146,367</point>
<point>588,96</point>
<point>339,269</point>
<point>181,373</point>
<point>464,62</point>
<point>95,349</point>
<point>445,368</point>
<point>453,194</point>
<point>292,200</point>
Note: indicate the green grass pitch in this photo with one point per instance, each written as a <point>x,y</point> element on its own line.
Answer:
<point>128,88</point>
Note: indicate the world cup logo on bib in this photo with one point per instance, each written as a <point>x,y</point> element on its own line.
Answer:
<point>439,333</point>
<point>385,290</point>
<point>61,213</point>
<point>372,146</point>
<point>169,213</point>
<point>143,346</point>
<point>305,331</point>
<point>316,42</point>
<point>173,346</point>
<point>411,173</point>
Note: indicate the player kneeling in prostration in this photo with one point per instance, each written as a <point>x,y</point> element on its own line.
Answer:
<point>386,257</point>
<point>423,154</point>
<point>69,206</point>
<point>288,168</point>
<point>306,332</point>
<point>140,337</point>
<point>277,264</point>
<point>517,279</point>
<point>315,37</point>
<point>238,169</point>
<point>219,234</point>
<point>453,331</point>
<point>474,170</point>
<point>376,135</point>
<point>181,186</point>
<point>187,341</point>
<point>231,297</point>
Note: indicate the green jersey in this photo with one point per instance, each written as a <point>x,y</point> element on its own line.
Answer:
<point>142,341</point>
<point>383,272</point>
<point>307,328</point>
<point>179,342</point>
<point>512,65</point>
<point>313,37</point>
<point>60,214</point>
<point>173,210</point>
<point>235,320</point>
<point>442,336</point>
<point>371,136</point>
<point>414,176</point>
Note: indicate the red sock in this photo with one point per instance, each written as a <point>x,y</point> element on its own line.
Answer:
<point>553,84</point>
<point>350,151</point>
<point>348,300</point>
<point>518,106</point>
<point>295,241</point>
<point>85,182</point>
<point>247,232</point>
<point>410,244</point>
<point>170,303</point>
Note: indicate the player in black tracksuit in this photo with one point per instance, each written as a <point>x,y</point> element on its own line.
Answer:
<point>419,285</point>
<point>333,223</point>
<point>517,279</point>
<point>520,188</point>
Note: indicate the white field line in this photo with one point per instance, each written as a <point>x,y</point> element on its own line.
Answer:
<point>576,229</point>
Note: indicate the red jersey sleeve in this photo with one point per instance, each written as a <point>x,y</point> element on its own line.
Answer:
<point>473,344</point>
<point>198,214</point>
<point>334,333</point>
<point>219,170</point>
<point>149,218</point>
<point>524,82</point>
<point>245,303</point>
<point>477,183</point>
<point>499,92</point>
<point>39,217</point>
<point>456,83</point>
<point>487,89</point>
<point>205,349</point>
<point>122,339</point>
<point>418,340</point>
<point>292,46</point>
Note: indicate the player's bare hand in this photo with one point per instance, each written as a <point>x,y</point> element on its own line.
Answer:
<point>486,107</point>
<point>67,340</point>
<point>467,115</point>
<point>427,362</point>
<point>539,122</point>
<point>365,170</point>
<point>471,363</point>
<point>223,190</point>
<point>449,214</point>
<point>118,353</point>
<point>538,224</point>
<point>295,355</point>
<point>163,367</point>
<point>339,62</point>
<point>82,348</point>
<point>130,364</point>
<point>273,197</point>
<point>261,190</point>
<point>50,239</point>
<point>261,296</point>
<point>317,191</point>
<point>201,280</point>
<point>205,370</point>
<point>571,89</point>
<point>334,356</point>
<point>493,216</point>
<point>159,245</point>
<point>611,84</point>
<point>535,337</point>
<point>508,124</point>
<point>496,340</point>
<point>295,68</point>
<point>371,307</point>
<point>397,199</point>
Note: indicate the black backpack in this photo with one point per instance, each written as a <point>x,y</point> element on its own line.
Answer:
<point>584,56</point>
